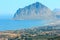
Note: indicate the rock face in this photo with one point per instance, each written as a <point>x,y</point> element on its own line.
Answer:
<point>57,13</point>
<point>33,11</point>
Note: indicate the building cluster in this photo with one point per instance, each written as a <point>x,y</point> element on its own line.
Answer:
<point>40,33</point>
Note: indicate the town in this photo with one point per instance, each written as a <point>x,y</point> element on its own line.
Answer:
<point>37,33</point>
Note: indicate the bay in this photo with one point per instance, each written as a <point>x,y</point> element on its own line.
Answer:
<point>21,24</point>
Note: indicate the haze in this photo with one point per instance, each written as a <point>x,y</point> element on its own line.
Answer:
<point>9,7</point>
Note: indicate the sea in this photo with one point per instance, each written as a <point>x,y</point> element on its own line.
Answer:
<point>21,24</point>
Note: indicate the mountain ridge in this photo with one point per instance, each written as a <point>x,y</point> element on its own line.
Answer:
<point>33,11</point>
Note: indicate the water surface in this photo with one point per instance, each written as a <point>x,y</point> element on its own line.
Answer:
<point>20,24</point>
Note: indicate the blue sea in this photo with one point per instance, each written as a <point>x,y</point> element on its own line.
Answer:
<point>20,24</point>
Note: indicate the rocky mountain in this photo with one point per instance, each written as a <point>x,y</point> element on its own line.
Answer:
<point>57,13</point>
<point>33,11</point>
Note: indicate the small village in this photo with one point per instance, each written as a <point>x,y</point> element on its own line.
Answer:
<point>31,34</point>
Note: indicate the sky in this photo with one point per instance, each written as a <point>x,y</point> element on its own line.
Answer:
<point>9,7</point>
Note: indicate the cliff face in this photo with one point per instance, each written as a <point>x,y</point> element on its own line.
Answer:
<point>33,11</point>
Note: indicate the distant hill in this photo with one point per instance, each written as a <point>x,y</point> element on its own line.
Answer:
<point>57,13</point>
<point>33,11</point>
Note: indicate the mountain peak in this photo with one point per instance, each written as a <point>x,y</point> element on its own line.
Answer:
<point>33,11</point>
<point>37,3</point>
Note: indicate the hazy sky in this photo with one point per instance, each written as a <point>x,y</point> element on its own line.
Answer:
<point>9,7</point>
